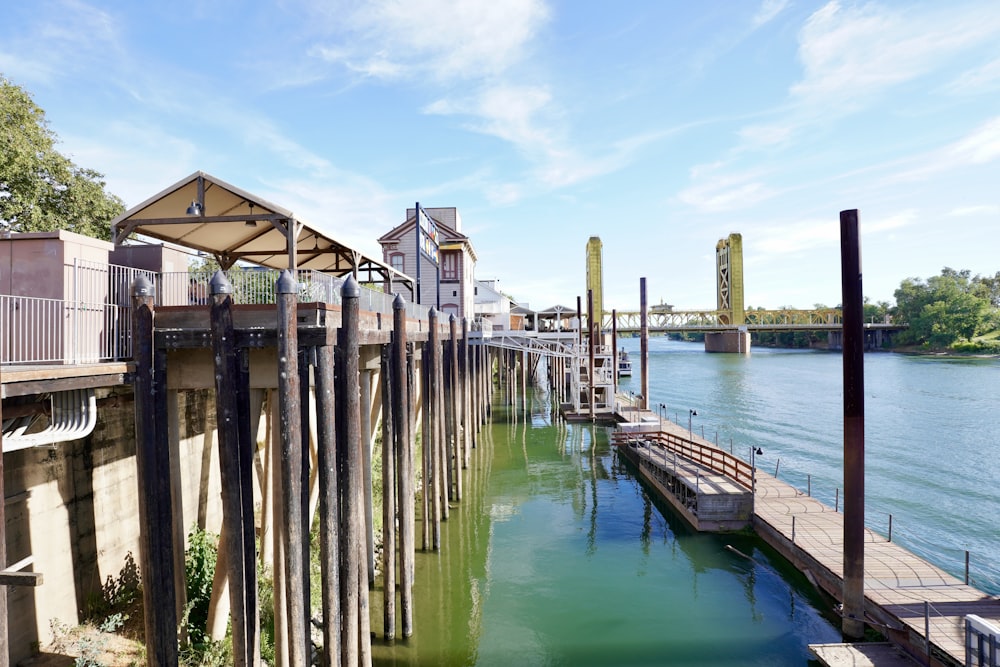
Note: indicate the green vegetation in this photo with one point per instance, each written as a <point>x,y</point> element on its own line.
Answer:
<point>953,311</point>
<point>40,189</point>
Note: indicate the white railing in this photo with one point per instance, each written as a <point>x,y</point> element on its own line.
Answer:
<point>93,323</point>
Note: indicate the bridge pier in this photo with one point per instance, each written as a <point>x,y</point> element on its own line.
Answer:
<point>734,341</point>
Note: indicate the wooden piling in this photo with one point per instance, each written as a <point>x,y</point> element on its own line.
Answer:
<point>290,417</point>
<point>404,480</point>
<point>643,344</point>
<point>388,497</point>
<point>329,530</point>
<point>153,475</point>
<point>365,387</point>
<point>232,448</point>
<point>355,638</point>
<point>432,439</point>
<point>425,453</point>
<point>854,426</point>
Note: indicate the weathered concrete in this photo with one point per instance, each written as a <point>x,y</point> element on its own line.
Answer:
<point>72,507</point>
<point>734,342</point>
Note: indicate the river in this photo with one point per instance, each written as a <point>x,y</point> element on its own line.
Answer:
<point>557,555</point>
<point>932,435</point>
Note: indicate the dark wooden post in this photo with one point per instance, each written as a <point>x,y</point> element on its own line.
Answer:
<point>404,472</point>
<point>241,572</point>
<point>425,450</point>
<point>432,439</point>
<point>466,371</point>
<point>355,638</point>
<point>290,418</point>
<point>389,473</point>
<point>854,426</point>
<point>591,342</point>
<point>365,386</point>
<point>454,404</point>
<point>329,530</point>
<point>644,344</point>
<point>152,458</point>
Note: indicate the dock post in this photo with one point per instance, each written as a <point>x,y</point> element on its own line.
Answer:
<point>590,353</point>
<point>614,347</point>
<point>290,417</point>
<point>644,343</point>
<point>854,426</point>
<point>355,638</point>
<point>404,472</point>
<point>329,530</point>
<point>389,472</point>
<point>152,458</point>
<point>432,439</point>
<point>234,464</point>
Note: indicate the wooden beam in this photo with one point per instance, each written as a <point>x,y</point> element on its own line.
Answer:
<point>8,578</point>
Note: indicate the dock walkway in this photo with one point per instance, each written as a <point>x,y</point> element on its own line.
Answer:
<point>906,598</point>
<point>897,582</point>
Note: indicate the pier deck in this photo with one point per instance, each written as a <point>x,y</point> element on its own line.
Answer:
<point>898,583</point>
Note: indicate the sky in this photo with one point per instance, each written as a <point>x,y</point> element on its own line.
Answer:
<point>661,126</point>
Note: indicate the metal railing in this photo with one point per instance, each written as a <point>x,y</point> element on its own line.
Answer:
<point>93,323</point>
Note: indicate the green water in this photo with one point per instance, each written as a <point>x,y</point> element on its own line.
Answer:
<point>557,556</point>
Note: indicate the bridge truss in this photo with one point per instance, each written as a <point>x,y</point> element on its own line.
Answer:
<point>826,319</point>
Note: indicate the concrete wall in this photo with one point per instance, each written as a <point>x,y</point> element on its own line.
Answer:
<point>74,508</point>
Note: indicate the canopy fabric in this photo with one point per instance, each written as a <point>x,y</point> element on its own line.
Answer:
<point>234,225</point>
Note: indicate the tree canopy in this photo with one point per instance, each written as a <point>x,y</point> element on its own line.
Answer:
<point>946,308</point>
<point>41,189</point>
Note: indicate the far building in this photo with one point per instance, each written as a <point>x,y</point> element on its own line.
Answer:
<point>449,284</point>
<point>493,307</point>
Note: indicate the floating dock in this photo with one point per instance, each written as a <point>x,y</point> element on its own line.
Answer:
<point>918,606</point>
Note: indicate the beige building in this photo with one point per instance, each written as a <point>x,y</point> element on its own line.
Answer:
<point>447,284</point>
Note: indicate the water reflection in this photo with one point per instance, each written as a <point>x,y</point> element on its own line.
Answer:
<point>558,556</point>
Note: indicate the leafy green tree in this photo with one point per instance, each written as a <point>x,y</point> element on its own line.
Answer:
<point>41,189</point>
<point>942,310</point>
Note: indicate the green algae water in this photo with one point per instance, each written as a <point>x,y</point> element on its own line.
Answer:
<point>557,555</point>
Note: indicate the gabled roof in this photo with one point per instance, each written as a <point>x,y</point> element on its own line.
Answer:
<point>446,234</point>
<point>557,310</point>
<point>236,225</point>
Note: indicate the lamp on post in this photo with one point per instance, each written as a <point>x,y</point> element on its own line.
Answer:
<point>691,413</point>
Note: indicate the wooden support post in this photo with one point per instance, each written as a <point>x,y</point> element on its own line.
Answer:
<point>329,529</point>
<point>454,405</point>
<point>425,451</point>
<point>365,386</point>
<point>614,347</point>
<point>235,525</point>
<point>643,344</point>
<point>591,343</point>
<point>854,426</point>
<point>153,475</point>
<point>463,355</point>
<point>404,466</point>
<point>388,497</point>
<point>290,416</point>
<point>355,638</point>
<point>432,439</point>
<point>304,460</point>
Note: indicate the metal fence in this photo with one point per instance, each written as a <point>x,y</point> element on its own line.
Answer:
<point>92,324</point>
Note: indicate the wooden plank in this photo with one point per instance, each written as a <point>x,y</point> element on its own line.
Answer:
<point>11,389</point>
<point>8,578</point>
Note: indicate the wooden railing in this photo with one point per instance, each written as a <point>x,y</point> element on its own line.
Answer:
<point>708,456</point>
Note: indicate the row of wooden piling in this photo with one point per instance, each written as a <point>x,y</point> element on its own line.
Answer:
<point>454,386</point>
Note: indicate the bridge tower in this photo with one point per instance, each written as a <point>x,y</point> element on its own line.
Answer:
<point>595,276</point>
<point>729,279</point>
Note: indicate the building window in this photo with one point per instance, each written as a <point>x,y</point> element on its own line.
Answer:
<point>450,309</point>
<point>397,260</point>
<point>449,266</point>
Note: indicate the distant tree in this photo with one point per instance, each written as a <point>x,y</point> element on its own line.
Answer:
<point>41,189</point>
<point>942,310</point>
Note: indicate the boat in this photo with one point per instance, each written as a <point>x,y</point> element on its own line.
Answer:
<point>624,364</point>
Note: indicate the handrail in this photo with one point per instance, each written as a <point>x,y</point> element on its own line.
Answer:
<point>709,456</point>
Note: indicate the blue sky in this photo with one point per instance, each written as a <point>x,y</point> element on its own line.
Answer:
<point>660,126</point>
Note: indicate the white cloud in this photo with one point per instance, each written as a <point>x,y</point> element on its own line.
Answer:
<point>850,53</point>
<point>724,192</point>
<point>896,221</point>
<point>437,38</point>
<point>980,146</point>
<point>983,79</point>
<point>768,10</point>
<point>982,209</point>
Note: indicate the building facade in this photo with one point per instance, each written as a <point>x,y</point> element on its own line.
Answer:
<point>447,284</point>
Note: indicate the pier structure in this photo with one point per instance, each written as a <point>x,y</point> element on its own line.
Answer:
<point>916,605</point>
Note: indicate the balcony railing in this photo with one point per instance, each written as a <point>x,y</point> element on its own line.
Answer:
<point>93,324</point>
